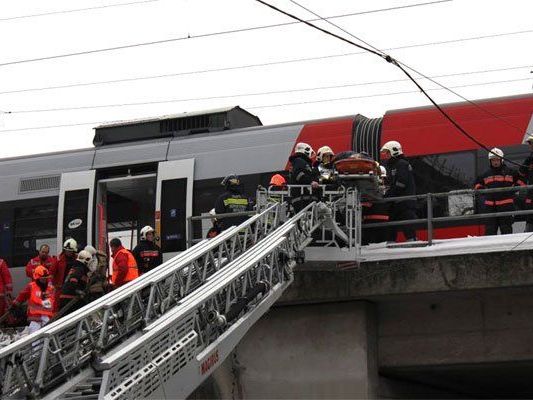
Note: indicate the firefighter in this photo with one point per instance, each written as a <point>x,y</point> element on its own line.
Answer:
<point>526,176</point>
<point>40,295</point>
<point>6,287</point>
<point>75,284</point>
<point>498,175</point>
<point>402,183</point>
<point>43,258</point>
<point>64,262</point>
<point>124,264</point>
<point>302,173</point>
<point>324,164</point>
<point>98,267</point>
<point>147,253</point>
<point>232,201</point>
<point>278,183</point>
<point>373,212</point>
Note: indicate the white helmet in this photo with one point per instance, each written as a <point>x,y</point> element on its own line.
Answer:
<point>529,138</point>
<point>304,148</point>
<point>84,257</point>
<point>144,231</point>
<point>323,151</point>
<point>383,171</point>
<point>495,153</point>
<point>91,250</point>
<point>393,147</point>
<point>70,245</point>
<point>212,212</point>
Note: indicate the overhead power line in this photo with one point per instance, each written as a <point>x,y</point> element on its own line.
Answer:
<point>204,35</point>
<point>392,61</point>
<point>284,104</point>
<point>75,10</point>
<point>257,65</point>
<point>259,93</point>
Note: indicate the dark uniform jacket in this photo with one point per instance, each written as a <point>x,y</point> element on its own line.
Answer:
<point>495,178</point>
<point>232,201</point>
<point>302,173</point>
<point>76,280</point>
<point>526,177</point>
<point>148,256</point>
<point>374,212</point>
<point>402,181</point>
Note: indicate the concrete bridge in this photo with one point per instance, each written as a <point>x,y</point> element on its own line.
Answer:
<point>440,327</point>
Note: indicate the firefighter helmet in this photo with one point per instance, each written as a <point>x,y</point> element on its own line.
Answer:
<point>231,180</point>
<point>70,245</point>
<point>495,153</point>
<point>40,271</point>
<point>145,231</point>
<point>84,257</point>
<point>324,150</point>
<point>393,147</point>
<point>90,249</point>
<point>277,180</point>
<point>304,148</point>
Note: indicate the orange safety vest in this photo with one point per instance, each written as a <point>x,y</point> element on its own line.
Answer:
<point>35,302</point>
<point>132,273</point>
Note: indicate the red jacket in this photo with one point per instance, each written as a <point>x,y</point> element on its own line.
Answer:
<point>60,271</point>
<point>33,294</point>
<point>6,284</point>
<point>49,263</point>
<point>124,267</point>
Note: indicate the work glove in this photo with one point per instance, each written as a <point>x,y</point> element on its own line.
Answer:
<point>47,304</point>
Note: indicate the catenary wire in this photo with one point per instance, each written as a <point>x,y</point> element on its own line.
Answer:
<point>409,67</point>
<point>276,105</point>
<point>258,65</point>
<point>75,10</point>
<point>199,36</point>
<point>263,93</point>
<point>392,61</point>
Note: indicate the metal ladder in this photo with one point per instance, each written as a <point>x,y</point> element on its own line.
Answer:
<point>176,353</point>
<point>39,363</point>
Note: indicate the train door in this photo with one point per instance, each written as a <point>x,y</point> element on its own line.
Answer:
<point>173,205</point>
<point>75,208</point>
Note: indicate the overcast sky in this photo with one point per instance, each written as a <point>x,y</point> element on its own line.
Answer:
<point>223,65</point>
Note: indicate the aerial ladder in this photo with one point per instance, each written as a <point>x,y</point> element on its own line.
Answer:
<point>168,330</point>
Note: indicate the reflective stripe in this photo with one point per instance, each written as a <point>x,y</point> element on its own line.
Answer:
<point>366,204</point>
<point>379,217</point>
<point>478,186</point>
<point>498,202</point>
<point>400,184</point>
<point>498,178</point>
<point>234,201</point>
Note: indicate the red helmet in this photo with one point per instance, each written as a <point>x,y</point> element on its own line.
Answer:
<point>40,272</point>
<point>278,180</point>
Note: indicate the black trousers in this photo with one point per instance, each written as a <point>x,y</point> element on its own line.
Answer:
<point>505,224</point>
<point>373,235</point>
<point>399,212</point>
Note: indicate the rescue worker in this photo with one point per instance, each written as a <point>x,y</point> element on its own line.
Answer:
<point>40,295</point>
<point>526,175</point>
<point>216,228</point>
<point>402,183</point>
<point>324,164</point>
<point>6,287</point>
<point>43,258</point>
<point>98,267</point>
<point>375,212</point>
<point>302,173</point>
<point>232,201</point>
<point>498,175</point>
<point>278,183</point>
<point>64,262</point>
<point>76,281</point>
<point>124,264</point>
<point>147,253</point>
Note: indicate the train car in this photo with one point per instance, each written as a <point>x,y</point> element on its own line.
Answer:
<point>162,170</point>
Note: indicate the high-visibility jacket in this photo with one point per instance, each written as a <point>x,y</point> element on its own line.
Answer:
<point>494,178</point>
<point>49,263</point>
<point>33,294</point>
<point>124,267</point>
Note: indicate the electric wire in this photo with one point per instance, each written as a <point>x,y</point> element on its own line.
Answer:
<point>392,61</point>
<point>265,93</point>
<point>410,68</point>
<point>199,36</point>
<point>279,104</point>
<point>257,65</point>
<point>75,10</point>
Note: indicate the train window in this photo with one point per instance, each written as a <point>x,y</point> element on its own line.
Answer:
<point>75,216</point>
<point>34,224</point>
<point>173,203</point>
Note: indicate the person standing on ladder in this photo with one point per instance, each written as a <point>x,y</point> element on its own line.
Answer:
<point>302,173</point>
<point>124,264</point>
<point>232,201</point>
<point>147,253</point>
